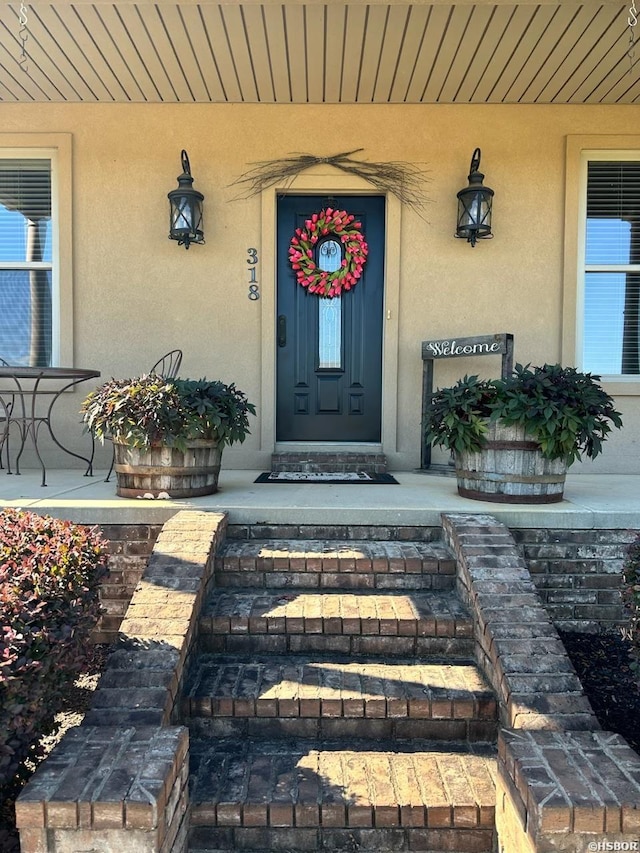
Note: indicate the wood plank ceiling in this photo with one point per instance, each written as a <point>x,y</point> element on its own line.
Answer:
<point>314,52</point>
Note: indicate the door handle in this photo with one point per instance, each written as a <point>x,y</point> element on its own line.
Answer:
<point>282,330</point>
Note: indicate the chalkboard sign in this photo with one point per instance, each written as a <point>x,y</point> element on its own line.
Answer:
<point>500,344</point>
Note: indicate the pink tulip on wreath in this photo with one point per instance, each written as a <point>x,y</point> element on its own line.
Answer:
<point>347,230</point>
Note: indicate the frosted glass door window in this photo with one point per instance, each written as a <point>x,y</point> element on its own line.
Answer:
<point>330,311</point>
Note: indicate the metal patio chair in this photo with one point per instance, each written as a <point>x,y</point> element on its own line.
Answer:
<point>167,367</point>
<point>6,407</point>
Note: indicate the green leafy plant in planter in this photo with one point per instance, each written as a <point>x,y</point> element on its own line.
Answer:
<point>163,427</point>
<point>557,413</point>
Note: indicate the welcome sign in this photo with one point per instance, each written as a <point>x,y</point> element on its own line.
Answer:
<point>501,344</point>
<point>456,347</point>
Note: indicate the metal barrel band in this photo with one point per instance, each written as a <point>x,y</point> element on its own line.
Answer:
<point>493,477</point>
<point>495,497</point>
<point>510,445</point>
<point>143,470</point>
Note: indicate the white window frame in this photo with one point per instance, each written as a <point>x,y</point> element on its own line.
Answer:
<point>55,147</point>
<point>581,149</point>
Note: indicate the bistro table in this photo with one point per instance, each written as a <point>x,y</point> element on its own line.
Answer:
<point>27,400</point>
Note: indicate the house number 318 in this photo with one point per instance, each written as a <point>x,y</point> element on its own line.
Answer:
<point>252,260</point>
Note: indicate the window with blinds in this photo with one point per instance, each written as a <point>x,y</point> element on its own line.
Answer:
<point>611,330</point>
<point>26,261</point>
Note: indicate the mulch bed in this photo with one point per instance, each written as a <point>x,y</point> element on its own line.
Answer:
<point>603,663</point>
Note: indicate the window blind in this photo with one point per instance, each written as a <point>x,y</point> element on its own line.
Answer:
<point>25,197</point>
<point>25,261</point>
<point>612,274</point>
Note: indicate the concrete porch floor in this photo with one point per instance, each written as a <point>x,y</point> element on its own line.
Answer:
<point>591,501</point>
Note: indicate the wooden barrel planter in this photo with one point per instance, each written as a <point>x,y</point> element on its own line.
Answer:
<point>510,469</point>
<point>161,469</point>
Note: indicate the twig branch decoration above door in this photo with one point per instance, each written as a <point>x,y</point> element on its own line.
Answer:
<point>404,180</point>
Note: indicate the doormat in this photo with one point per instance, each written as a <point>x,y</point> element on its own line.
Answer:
<point>358,477</point>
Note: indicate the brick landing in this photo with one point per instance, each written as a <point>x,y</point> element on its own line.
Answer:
<point>322,796</point>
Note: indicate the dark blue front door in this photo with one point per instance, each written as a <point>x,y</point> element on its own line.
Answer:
<point>329,351</point>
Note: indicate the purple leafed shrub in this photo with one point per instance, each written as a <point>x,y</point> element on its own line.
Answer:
<point>49,577</point>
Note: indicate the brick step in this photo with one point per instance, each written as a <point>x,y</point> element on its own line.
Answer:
<point>305,796</point>
<point>325,564</point>
<point>433,624</point>
<point>295,696</point>
<point>328,462</point>
<point>336,532</point>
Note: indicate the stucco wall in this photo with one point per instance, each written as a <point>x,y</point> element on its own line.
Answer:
<point>137,294</point>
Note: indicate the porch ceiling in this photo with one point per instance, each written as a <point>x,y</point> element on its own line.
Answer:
<point>318,52</point>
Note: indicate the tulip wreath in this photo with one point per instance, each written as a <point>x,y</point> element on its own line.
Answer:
<point>345,229</point>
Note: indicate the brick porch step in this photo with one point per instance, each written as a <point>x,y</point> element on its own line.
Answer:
<point>296,696</point>
<point>315,564</point>
<point>333,704</point>
<point>305,796</point>
<point>354,622</point>
<point>327,462</point>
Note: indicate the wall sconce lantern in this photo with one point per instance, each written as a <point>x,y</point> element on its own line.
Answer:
<point>185,215</point>
<point>474,205</point>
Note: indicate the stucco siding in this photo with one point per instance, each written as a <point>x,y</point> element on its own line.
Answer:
<point>137,294</point>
